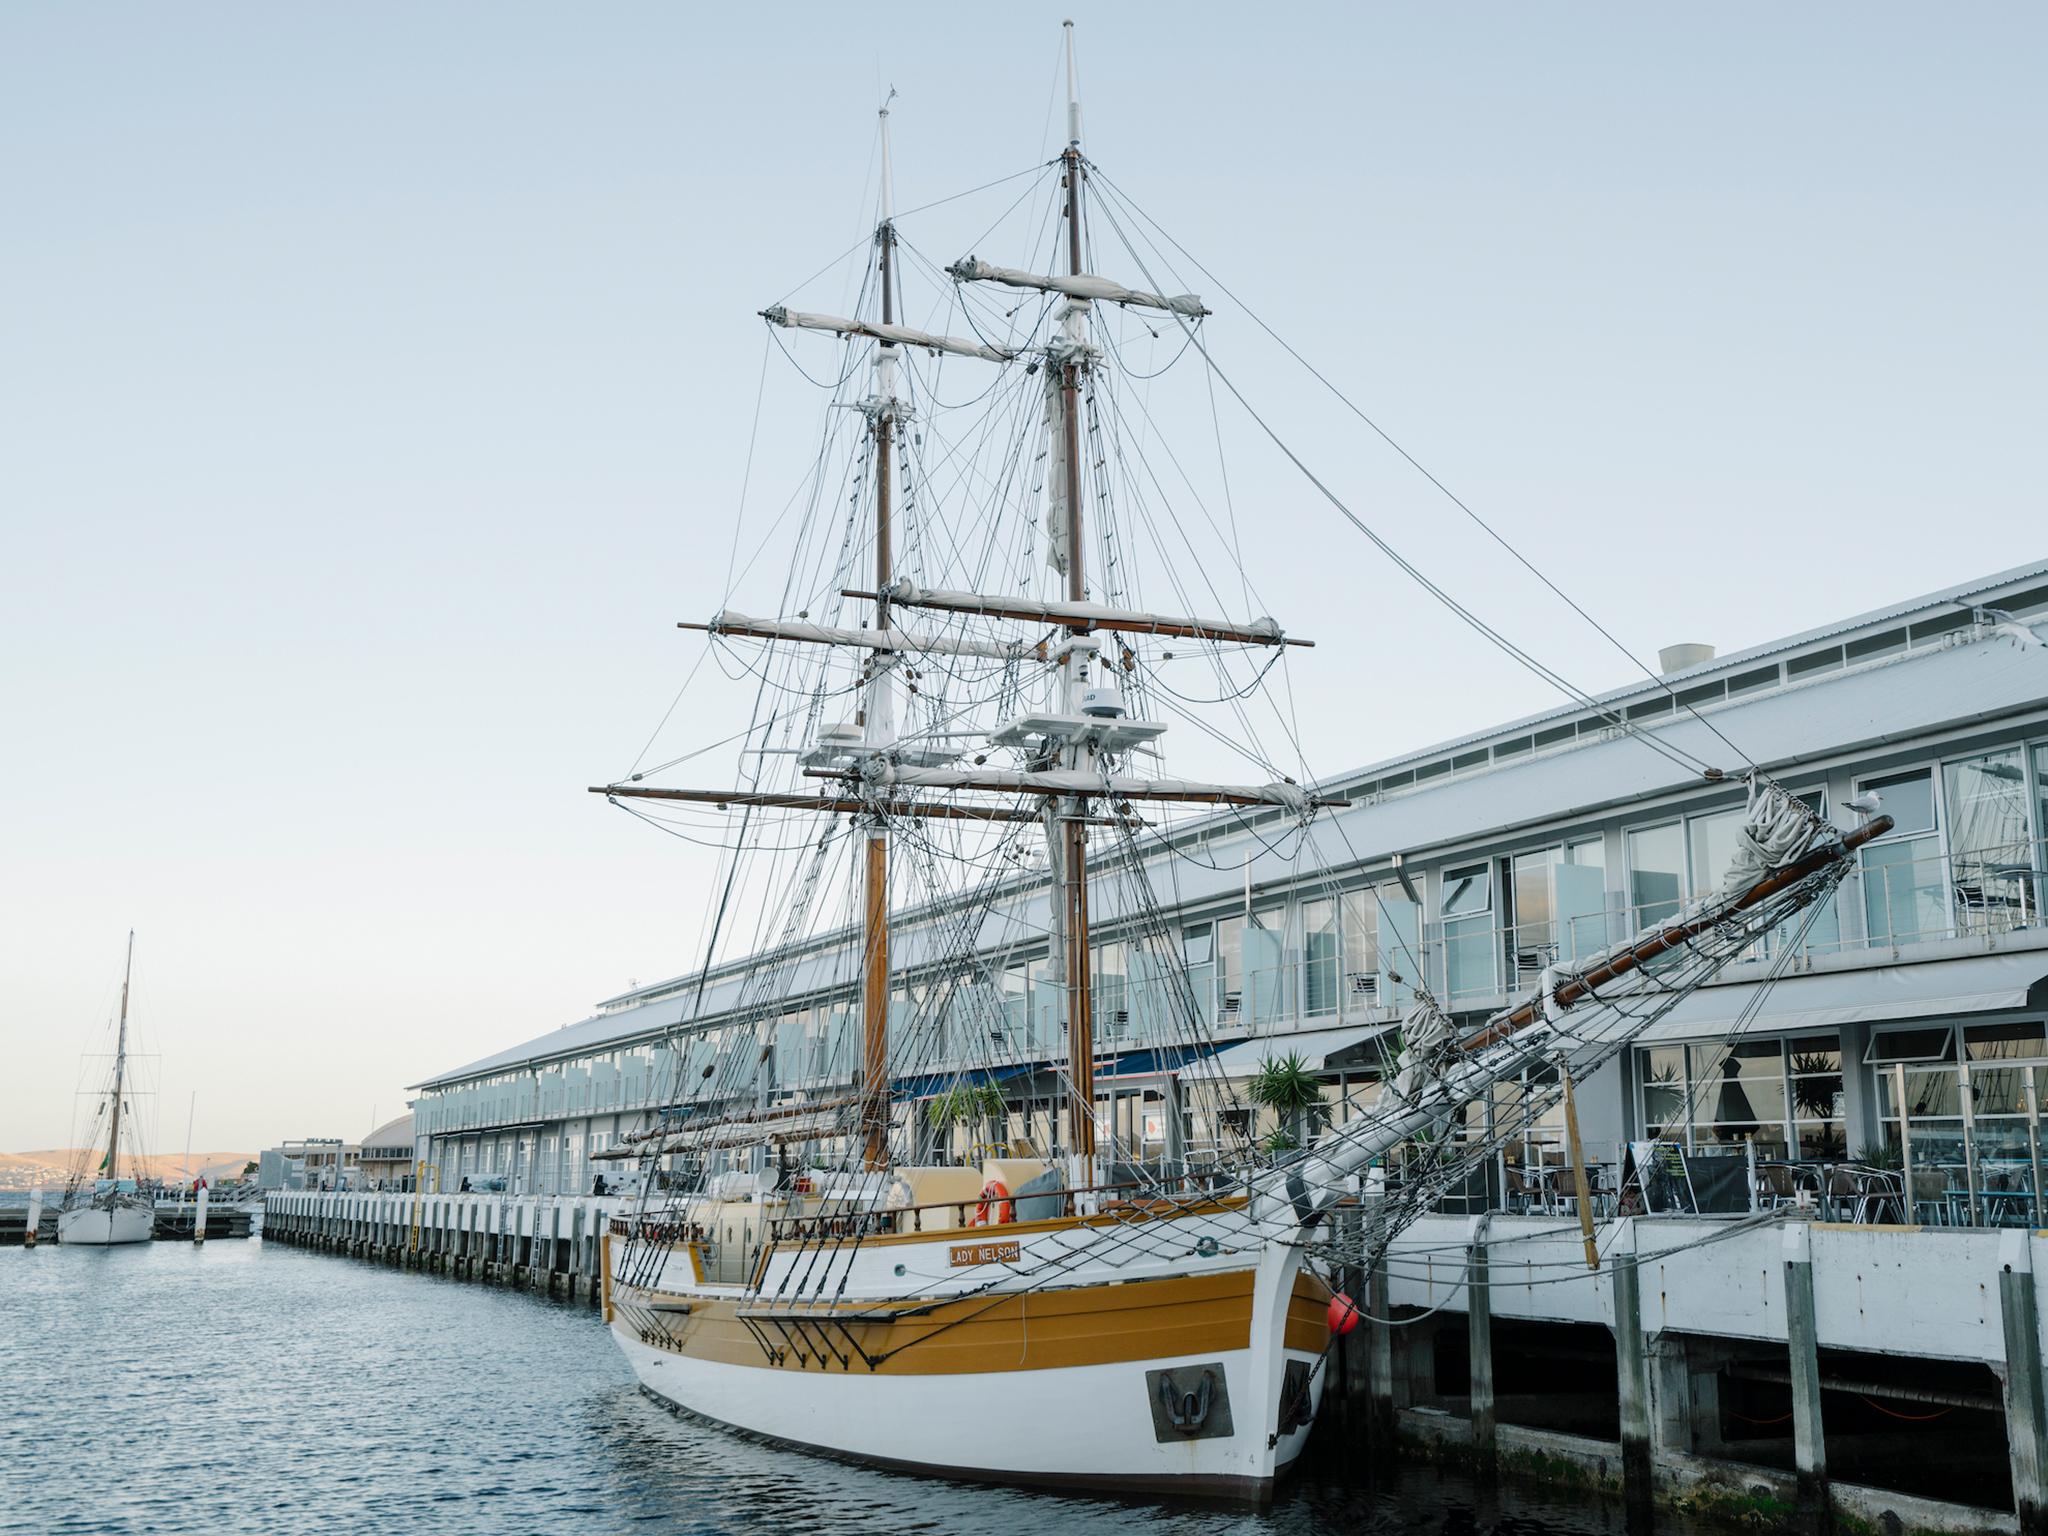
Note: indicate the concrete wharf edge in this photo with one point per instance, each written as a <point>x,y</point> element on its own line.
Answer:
<point>551,1244</point>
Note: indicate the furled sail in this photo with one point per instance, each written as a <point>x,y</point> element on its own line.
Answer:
<point>901,335</point>
<point>1069,781</point>
<point>730,621</point>
<point>1057,521</point>
<point>1085,285</point>
<point>1089,615</point>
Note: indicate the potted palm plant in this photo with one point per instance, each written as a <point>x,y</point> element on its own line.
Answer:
<point>1816,1088</point>
<point>1287,1087</point>
<point>978,1106</point>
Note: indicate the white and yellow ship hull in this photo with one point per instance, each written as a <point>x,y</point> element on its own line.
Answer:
<point>1128,1372</point>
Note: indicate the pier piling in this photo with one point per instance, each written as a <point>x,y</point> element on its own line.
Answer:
<point>2026,1423</point>
<point>1382,1424</point>
<point>1809,1440</point>
<point>1632,1362</point>
<point>1479,1336</point>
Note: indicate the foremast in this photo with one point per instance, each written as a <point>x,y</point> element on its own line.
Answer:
<point>1070,856</point>
<point>877,716</point>
<point>113,1162</point>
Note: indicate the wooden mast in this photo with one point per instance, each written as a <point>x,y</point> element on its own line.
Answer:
<point>876,724</point>
<point>113,1163</point>
<point>1074,829</point>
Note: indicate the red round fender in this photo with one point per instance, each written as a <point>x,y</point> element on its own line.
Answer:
<point>1344,1314</point>
<point>996,1208</point>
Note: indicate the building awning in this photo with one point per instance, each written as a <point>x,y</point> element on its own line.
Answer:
<point>1152,1061</point>
<point>1879,994</point>
<point>927,1084</point>
<point>1315,1047</point>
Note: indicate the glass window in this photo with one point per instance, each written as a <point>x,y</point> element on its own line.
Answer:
<point>1998,1090</point>
<point>1468,931</point>
<point>1321,955</point>
<point>1905,897</point>
<point>1739,1091</point>
<point>1467,890</point>
<point>1712,841</point>
<point>1814,1074</point>
<point>1933,1093</point>
<point>1909,1045</point>
<point>2004,1042</point>
<point>1229,964</point>
<point>1587,853</point>
<point>1664,1099</point>
<point>1656,872</point>
<point>1361,947</point>
<point>1908,799</point>
<point>2040,811</point>
<point>1989,841</point>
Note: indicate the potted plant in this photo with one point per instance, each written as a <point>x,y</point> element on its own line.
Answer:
<point>1816,1087</point>
<point>1287,1087</point>
<point>978,1106</point>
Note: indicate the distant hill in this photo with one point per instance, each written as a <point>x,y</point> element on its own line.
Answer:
<point>49,1169</point>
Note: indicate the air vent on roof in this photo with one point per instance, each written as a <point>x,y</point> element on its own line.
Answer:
<point>1753,682</point>
<point>1928,629</point>
<point>1890,643</point>
<point>1676,658</point>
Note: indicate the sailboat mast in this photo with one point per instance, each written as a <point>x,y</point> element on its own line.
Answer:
<point>877,726</point>
<point>1074,887</point>
<point>120,1067</point>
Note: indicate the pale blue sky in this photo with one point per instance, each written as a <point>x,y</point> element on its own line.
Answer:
<point>376,382</point>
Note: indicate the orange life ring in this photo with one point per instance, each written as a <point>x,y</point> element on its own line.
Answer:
<point>996,1209</point>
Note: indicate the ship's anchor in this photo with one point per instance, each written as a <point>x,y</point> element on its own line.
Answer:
<point>1186,1411</point>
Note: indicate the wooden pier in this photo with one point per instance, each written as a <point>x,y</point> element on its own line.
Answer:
<point>551,1244</point>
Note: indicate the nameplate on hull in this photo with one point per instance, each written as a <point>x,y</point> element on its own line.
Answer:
<point>962,1255</point>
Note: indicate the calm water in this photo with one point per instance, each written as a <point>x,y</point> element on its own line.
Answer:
<point>235,1387</point>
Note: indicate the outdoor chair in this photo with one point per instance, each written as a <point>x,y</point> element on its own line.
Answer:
<point>1865,1194</point>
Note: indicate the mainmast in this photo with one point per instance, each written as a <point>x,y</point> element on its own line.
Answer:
<point>877,710</point>
<point>120,1067</point>
<point>1073,854</point>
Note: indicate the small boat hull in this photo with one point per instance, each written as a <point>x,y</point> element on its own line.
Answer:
<point>97,1226</point>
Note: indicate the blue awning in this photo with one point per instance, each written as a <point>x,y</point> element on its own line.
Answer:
<point>927,1084</point>
<point>1163,1058</point>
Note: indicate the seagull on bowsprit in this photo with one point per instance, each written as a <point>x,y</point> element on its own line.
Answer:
<point>1864,805</point>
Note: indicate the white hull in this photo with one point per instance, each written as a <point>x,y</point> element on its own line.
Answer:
<point>100,1226</point>
<point>1075,1425</point>
<point>1088,1425</point>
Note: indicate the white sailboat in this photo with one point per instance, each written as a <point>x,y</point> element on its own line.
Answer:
<point>1059,1309</point>
<point>110,1213</point>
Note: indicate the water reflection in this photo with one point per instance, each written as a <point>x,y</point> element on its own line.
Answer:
<point>238,1388</point>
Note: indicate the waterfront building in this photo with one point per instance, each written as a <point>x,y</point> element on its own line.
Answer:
<point>1908,1011</point>
<point>311,1162</point>
<point>386,1157</point>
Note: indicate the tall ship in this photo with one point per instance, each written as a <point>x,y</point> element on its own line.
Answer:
<point>100,1208</point>
<point>999,590</point>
